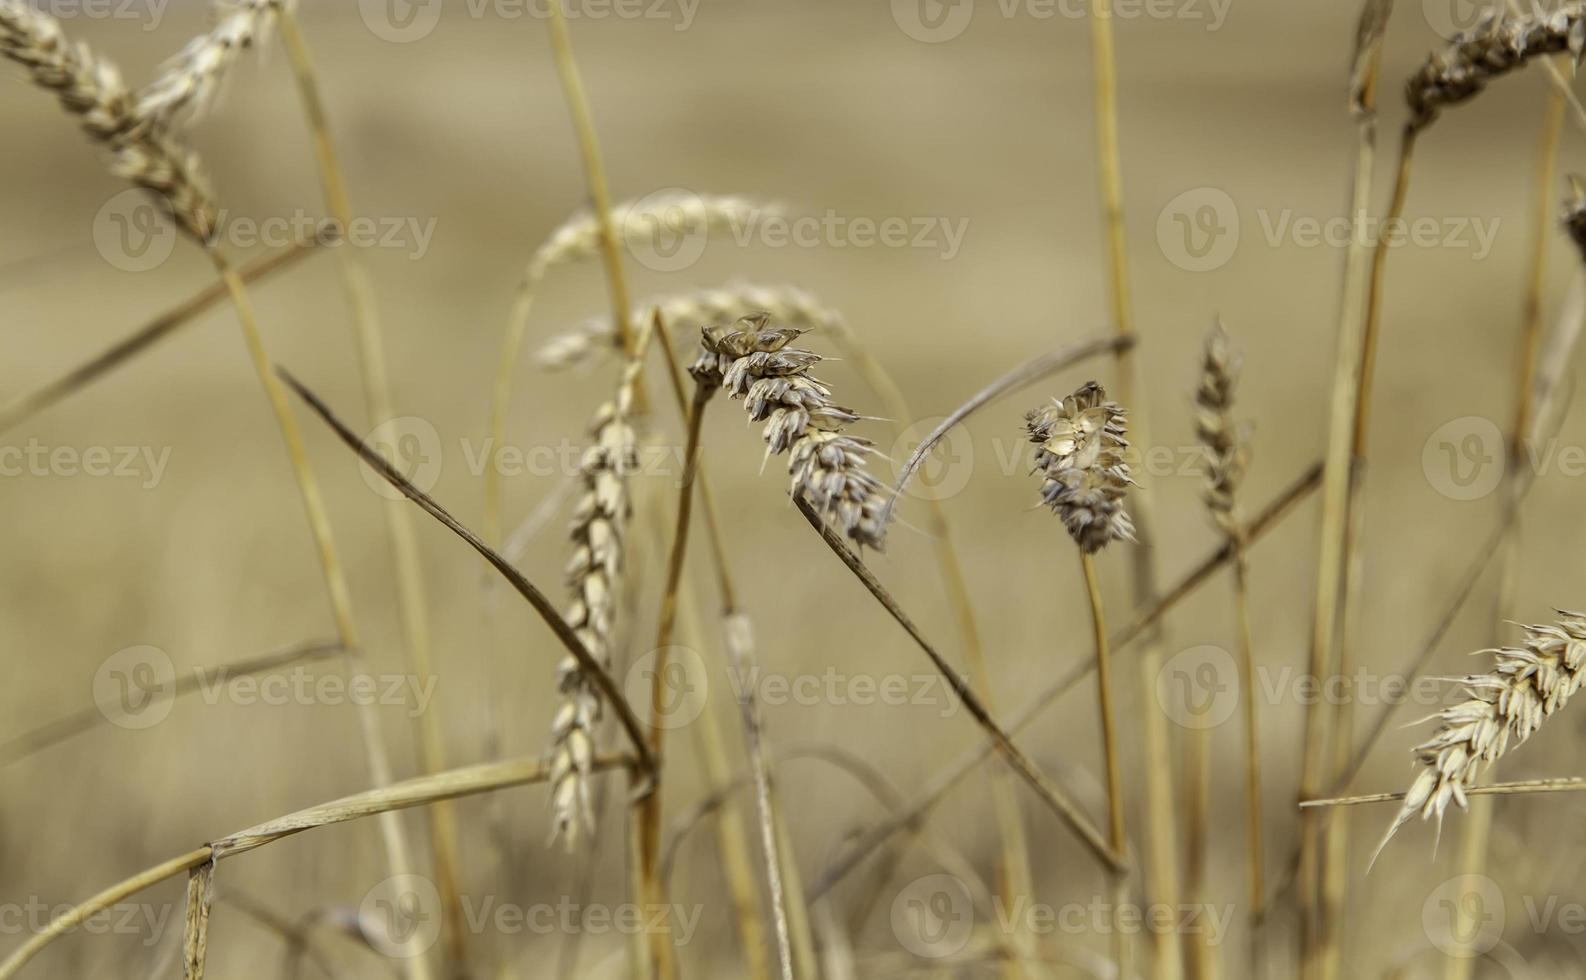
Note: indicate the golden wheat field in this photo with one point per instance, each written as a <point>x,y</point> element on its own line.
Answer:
<point>743,488</point>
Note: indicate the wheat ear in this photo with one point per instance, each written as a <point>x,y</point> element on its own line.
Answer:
<point>598,535</point>
<point>1502,709</point>
<point>578,239</point>
<point>1227,453</point>
<point>751,359</point>
<point>1495,47</point>
<point>189,82</point>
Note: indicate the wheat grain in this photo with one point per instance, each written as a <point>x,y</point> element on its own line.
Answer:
<point>1503,709</point>
<point>691,312</point>
<point>190,81</point>
<point>1496,46</point>
<point>751,359</point>
<point>595,573</point>
<point>1082,442</point>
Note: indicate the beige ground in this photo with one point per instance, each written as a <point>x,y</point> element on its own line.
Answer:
<point>819,106</point>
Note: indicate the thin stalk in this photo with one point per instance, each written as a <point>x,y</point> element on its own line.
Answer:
<point>412,598</point>
<point>380,801</point>
<point>1014,876</point>
<point>1334,615</point>
<point>1256,855</point>
<point>595,173</point>
<point>648,808</point>
<point>1478,827</point>
<point>1109,742</point>
<point>398,851</point>
<point>1161,858</point>
<point>1562,784</point>
<point>28,404</point>
<point>951,775</point>
<point>1053,795</point>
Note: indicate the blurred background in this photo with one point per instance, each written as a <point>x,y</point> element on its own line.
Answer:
<point>973,124</point>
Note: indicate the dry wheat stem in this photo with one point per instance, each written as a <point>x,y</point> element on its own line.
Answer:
<point>419,791</point>
<point>559,626</point>
<point>594,573</point>
<point>594,170</point>
<point>1523,787</point>
<point>29,404</point>
<point>412,595</point>
<point>1053,795</point>
<point>951,775</point>
<point>55,732</point>
<point>1109,741</point>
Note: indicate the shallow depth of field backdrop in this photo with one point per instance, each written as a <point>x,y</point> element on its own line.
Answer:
<point>1235,144</point>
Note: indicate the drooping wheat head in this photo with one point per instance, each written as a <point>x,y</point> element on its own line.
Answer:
<point>1496,46</point>
<point>1081,445</point>
<point>1223,439</point>
<point>1503,709</point>
<point>692,312</point>
<point>751,359</point>
<point>594,573</point>
<point>91,88</point>
<point>189,82</point>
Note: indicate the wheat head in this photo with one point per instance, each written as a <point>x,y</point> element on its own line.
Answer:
<point>1495,47</point>
<point>1080,456</point>
<point>189,82</point>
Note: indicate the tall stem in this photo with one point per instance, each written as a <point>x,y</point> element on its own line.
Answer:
<point>412,598</point>
<point>1109,741</point>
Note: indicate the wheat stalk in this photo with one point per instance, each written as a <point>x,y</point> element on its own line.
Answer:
<point>1502,710</point>
<point>751,360</point>
<point>1080,447</point>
